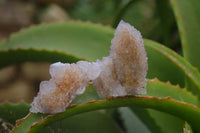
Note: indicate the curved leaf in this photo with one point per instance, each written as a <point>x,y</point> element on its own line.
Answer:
<point>169,60</point>
<point>154,119</point>
<point>19,55</point>
<point>181,109</point>
<point>167,122</point>
<point>132,123</point>
<point>188,20</point>
<point>39,43</point>
<point>89,95</point>
<point>12,112</point>
<point>89,122</point>
<point>160,90</point>
<point>159,122</point>
<point>41,35</point>
<point>185,111</point>
<point>72,41</point>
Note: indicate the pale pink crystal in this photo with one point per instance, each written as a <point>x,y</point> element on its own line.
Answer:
<point>68,81</point>
<point>124,71</point>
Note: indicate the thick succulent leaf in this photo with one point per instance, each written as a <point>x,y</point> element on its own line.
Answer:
<point>147,119</point>
<point>169,60</point>
<point>163,71</point>
<point>188,20</point>
<point>189,112</point>
<point>89,95</point>
<point>29,45</point>
<point>19,55</point>
<point>71,41</point>
<point>159,89</point>
<point>89,122</point>
<point>12,112</point>
<point>154,119</point>
<point>41,43</point>
<point>185,111</point>
<point>131,122</point>
<point>169,123</point>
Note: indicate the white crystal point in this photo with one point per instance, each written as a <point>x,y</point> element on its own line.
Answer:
<point>68,81</point>
<point>92,69</point>
<point>106,84</point>
<point>57,69</point>
<point>40,104</point>
<point>129,58</point>
<point>124,71</point>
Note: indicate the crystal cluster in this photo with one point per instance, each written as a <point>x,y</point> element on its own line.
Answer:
<point>122,73</point>
<point>68,80</point>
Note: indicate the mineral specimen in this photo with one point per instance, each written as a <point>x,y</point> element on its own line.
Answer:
<point>122,73</point>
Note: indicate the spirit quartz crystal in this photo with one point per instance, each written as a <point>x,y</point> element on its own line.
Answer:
<point>122,73</point>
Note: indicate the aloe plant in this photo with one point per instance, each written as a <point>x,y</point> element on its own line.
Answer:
<point>173,87</point>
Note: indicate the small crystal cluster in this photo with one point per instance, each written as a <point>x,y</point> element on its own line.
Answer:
<point>126,67</point>
<point>122,73</point>
<point>68,80</point>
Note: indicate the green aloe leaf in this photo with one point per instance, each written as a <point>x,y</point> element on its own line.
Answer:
<point>188,20</point>
<point>166,122</point>
<point>154,119</point>
<point>185,111</point>
<point>72,41</point>
<point>94,122</point>
<point>159,89</point>
<point>12,112</point>
<point>132,123</point>
<point>89,95</point>
<point>181,109</point>
<point>51,43</point>
<point>173,66</point>
<point>57,42</point>
<point>147,119</point>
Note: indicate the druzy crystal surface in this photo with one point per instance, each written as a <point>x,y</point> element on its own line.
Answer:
<point>122,73</point>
